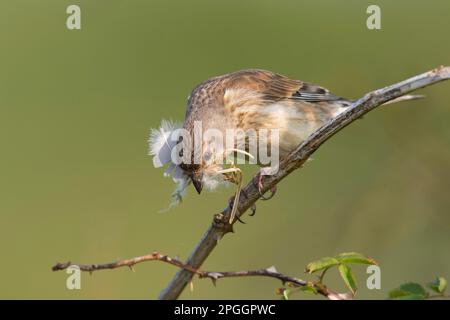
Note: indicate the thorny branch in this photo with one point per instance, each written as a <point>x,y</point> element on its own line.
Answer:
<point>250,194</point>
<point>214,276</point>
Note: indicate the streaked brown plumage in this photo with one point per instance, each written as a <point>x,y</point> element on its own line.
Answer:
<point>256,99</point>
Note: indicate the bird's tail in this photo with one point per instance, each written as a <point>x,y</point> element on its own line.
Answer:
<point>345,103</point>
<point>406,97</point>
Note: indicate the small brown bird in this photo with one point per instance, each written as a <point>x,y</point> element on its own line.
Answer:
<point>248,100</point>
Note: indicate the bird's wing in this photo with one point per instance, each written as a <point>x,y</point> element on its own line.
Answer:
<point>275,87</point>
<point>253,87</point>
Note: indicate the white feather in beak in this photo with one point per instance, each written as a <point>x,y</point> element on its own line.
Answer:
<point>161,143</point>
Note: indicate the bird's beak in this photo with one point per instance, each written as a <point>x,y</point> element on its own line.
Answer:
<point>197,182</point>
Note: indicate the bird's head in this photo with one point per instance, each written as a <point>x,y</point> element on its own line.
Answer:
<point>195,173</point>
<point>203,174</point>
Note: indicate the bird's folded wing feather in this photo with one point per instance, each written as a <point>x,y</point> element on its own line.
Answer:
<point>276,87</point>
<point>254,87</point>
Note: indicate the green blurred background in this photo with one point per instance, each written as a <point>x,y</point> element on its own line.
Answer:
<point>76,108</point>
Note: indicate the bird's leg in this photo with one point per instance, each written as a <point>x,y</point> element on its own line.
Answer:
<point>259,185</point>
<point>234,175</point>
<point>252,208</point>
<point>230,204</point>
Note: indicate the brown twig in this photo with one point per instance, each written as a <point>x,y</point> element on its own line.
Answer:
<point>220,226</point>
<point>214,276</point>
<point>155,256</point>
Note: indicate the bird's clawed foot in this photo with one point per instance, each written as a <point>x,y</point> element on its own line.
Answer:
<point>252,208</point>
<point>259,185</point>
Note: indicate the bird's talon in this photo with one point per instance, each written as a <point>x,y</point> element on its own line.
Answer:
<point>273,189</point>
<point>253,208</point>
<point>239,219</point>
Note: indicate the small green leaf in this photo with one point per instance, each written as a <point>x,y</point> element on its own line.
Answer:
<point>348,277</point>
<point>397,294</point>
<point>413,288</point>
<point>439,285</point>
<point>354,257</point>
<point>308,288</point>
<point>409,291</point>
<point>321,264</point>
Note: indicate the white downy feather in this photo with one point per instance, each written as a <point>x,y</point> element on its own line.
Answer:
<point>161,143</point>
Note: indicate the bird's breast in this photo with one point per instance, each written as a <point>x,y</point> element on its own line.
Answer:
<point>294,121</point>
